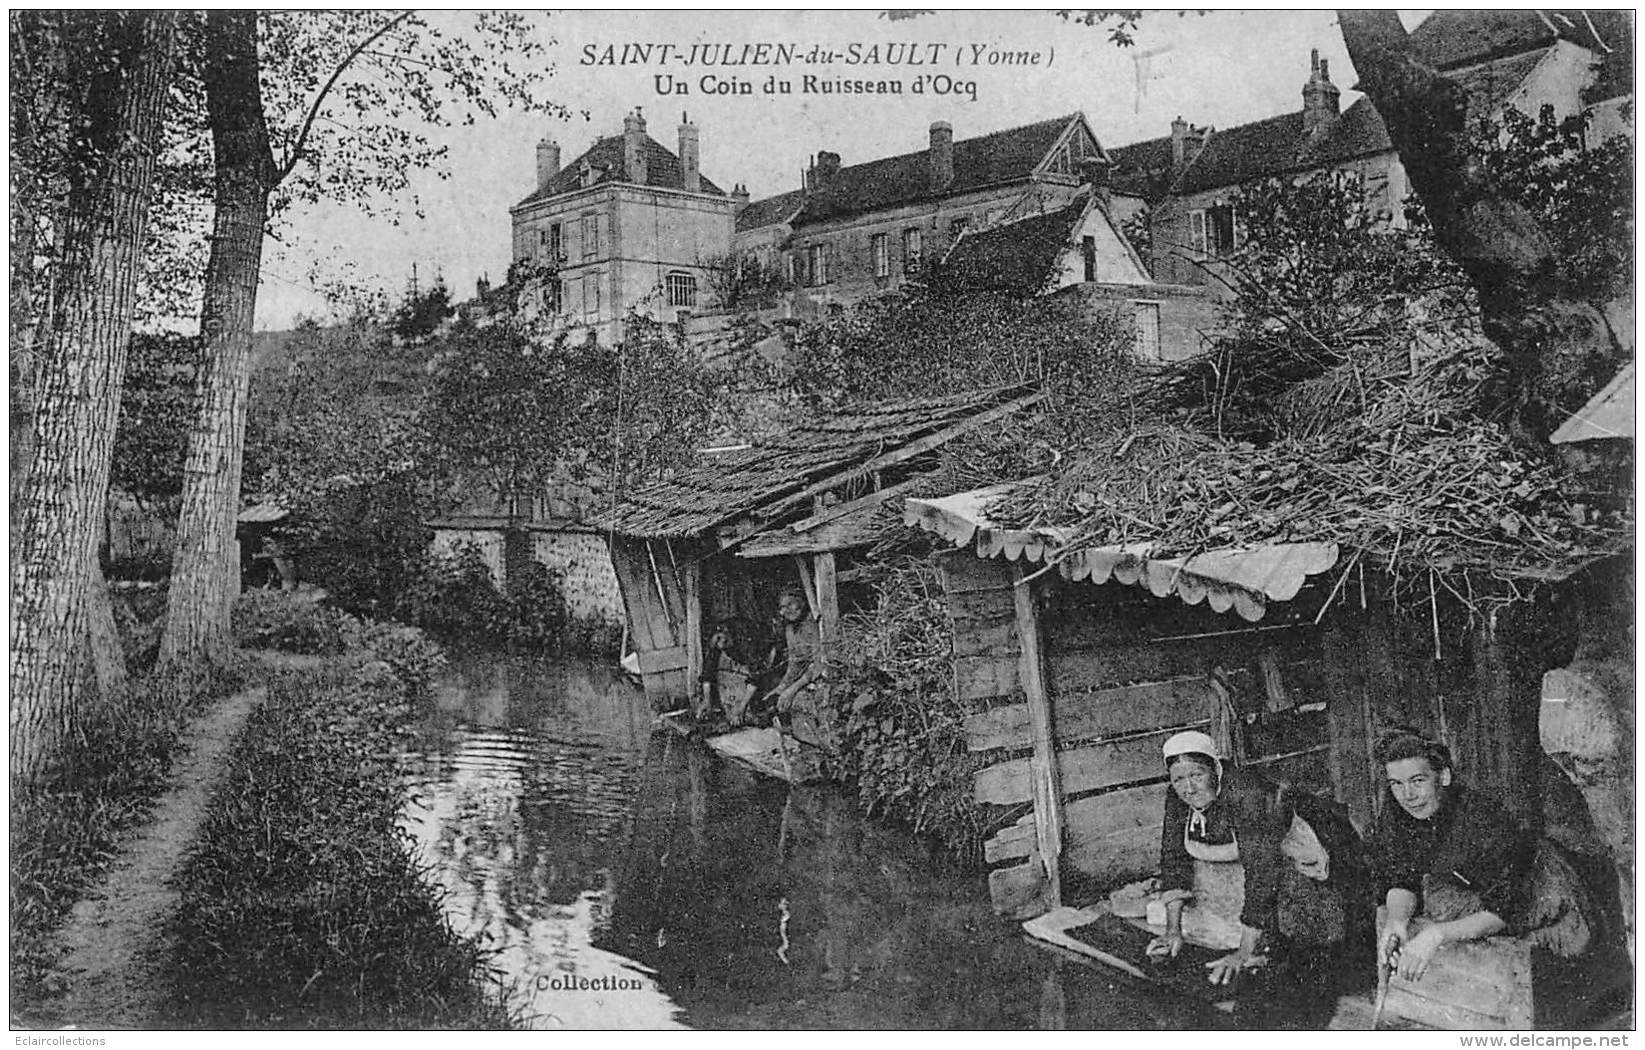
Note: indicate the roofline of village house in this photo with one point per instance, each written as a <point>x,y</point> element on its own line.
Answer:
<point>561,198</point>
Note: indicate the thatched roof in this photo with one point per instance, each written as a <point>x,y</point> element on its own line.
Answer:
<point>776,475</point>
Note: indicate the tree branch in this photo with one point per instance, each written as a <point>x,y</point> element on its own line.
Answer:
<point>314,109</point>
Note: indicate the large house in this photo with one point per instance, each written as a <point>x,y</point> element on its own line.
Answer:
<point>854,230</point>
<point>627,225</point>
<point>1575,62</point>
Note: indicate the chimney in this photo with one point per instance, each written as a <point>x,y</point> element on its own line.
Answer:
<point>1321,101</point>
<point>940,156</point>
<point>634,147</point>
<point>822,171</point>
<point>689,176</point>
<point>739,199</point>
<point>1186,142</point>
<point>548,161</point>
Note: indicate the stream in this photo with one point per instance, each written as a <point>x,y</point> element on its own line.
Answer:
<point>630,879</point>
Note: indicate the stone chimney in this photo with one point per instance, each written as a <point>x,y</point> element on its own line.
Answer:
<point>689,175</point>
<point>739,199</point>
<point>1186,142</point>
<point>822,171</point>
<point>548,161</point>
<point>1321,101</point>
<point>634,147</point>
<point>940,156</point>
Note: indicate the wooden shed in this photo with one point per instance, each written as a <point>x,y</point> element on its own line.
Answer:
<point>721,540</point>
<point>1293,654</point>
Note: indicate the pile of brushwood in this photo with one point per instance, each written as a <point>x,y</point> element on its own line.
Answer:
<point>1350,398</point>
<point>302,904</point>
<point>901,739</point>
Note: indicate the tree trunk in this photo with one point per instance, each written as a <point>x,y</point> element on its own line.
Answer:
<point>1559,346</point>
<point>78,381</point>
<point>206,566</point>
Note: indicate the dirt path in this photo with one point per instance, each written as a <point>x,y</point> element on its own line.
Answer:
<point>113,957</point>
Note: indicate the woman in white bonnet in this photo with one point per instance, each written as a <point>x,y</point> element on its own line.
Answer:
<point>1297,880</point>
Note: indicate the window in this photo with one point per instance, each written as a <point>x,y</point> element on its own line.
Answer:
<point>1211,230</point>
<point>552,241</point>
<point>913,246</point>
<point>882,255</point>
<point>1147,327</point>
<point>553,296</point>
<point>591,295</point>
<point>682,289</point>
<point>791,266</point>
<point>957,227</point>
<point>591,236</point>
<point>1088,252</point>
<point>817,260</point>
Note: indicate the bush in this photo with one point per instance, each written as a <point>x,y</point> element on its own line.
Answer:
<point>455,597</point>
<point>291,623</point>
<point>901,728</point>
<point>302,905</point>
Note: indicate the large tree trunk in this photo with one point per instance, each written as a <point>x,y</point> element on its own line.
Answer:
<point>1559,346</point>
<point>78,379</point>
<point>206,567</point>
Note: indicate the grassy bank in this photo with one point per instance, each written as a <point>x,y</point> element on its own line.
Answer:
<point>302,905</point>
<point>65,828</point>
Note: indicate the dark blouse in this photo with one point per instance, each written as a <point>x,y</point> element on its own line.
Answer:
<point>1245,810</point>
<point>1472,841</point>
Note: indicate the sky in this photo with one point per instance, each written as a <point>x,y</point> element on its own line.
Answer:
<point>1000,68</point>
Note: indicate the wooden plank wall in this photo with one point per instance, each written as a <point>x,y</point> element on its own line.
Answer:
<point>656,613</point>
<point>1124,671</point>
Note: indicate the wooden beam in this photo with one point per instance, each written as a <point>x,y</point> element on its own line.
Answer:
<point>840,510</point>
<point>1117,711</point>
<point>1046,781</point>
<point>828,600</point>
<point>910,450</point>
<point>805,583</point>
<point>691,576</point>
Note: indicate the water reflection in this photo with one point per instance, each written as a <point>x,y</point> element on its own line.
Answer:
<point>629,879</point>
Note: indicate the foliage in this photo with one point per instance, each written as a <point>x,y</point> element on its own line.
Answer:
<point>157,404</point>
<point>901,728</point>
<point>302,904</point>
<point>935,339</point>
<point>421,314</point>
<point>66,828</point>
<point>291,623</point>
<point>524,413</point>
<point>1582,196</point>
<point>456,598</point>
<point>750,281</point>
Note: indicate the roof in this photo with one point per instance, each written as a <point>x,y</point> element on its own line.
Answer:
<point>742,481</point>
<point>1015,256</point>
<point>781,208</point>
<point>1244,580</point>
<point>1450,38</point>
<point>261,513</point>
<point>662,169</point>
<point>987,160</point>
<point>1608,414</point>
<point>1260,149</point>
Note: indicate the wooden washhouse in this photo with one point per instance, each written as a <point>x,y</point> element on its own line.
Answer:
<point>1080,665</point>
<point>719,542</point>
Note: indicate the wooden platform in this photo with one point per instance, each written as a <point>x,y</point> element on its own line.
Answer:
<point>765,751</point>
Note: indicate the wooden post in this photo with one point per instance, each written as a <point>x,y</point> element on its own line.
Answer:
<point>691,580</point>
<point>828,599</point>
<point>1043,765</point>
